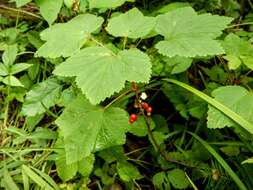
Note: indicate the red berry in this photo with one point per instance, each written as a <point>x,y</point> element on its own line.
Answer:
<point>145,105</point>
<point>133,117</point>
<point>149,109</point>
<point>131,121</point>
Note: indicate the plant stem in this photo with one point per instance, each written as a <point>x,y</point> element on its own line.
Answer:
<point>161,152</point>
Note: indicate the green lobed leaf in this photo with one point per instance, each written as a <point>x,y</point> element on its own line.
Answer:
<point>67,38</point>
<point>105,3</point>
<point>188,34</point>
<point>100,73</point>
<point>42,95</point>
<point>87,128</point>
<point>237,99</point>
<point>49,9</point>
<point>238,50</point>
<point>131,24</point>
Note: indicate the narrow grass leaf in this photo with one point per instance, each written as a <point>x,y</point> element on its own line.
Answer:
<point>222,162</point>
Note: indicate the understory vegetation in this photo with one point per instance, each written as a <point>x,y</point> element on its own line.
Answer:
<point>126,94</point>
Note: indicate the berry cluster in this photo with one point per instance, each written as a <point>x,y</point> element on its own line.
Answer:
<point>143,106</point>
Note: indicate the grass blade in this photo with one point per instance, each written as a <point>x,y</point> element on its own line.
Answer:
<point>222,162</point>
<point>9,182</point>
<point>36,178</point>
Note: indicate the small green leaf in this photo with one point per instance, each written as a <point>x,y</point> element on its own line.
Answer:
<point>238,51</point>
<point>87,128</point>
<point>19,67</point>
<point>188,34</point>
<point>12,81</point>
<point>139,128</point>
<point>230,150</point>
<point>44,94</point>
<point>10,54</point>
<point>3,70</point>
<point>105,3</point>
<point>49,9</point>
<point>131,24</point>
<point>233,61</point>
<point>178,179</point>
<point>248,61</point>
<point>127,171</point>
<point>67,38</point>
<point>100,73</point>
<point>161,181</point>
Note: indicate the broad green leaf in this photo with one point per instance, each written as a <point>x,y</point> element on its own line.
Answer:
<point>87,128</point>
<point>237,99</point>
<point>178,179</point>
<point>238,51</point>
<point>12,81</point>
<point>49,9</point>
<point>100,73</point>
<point>66,39</point>
<point>10,55</point>
<point>42,95</point>
<point>188,34</point>
<point>131,24</point>
<point>20,3</point>
<point>127,171</point>
<point>105,3</point>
